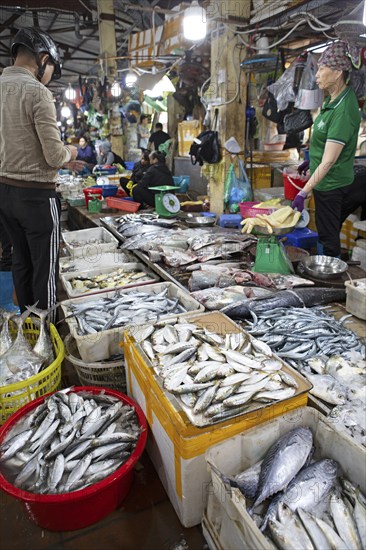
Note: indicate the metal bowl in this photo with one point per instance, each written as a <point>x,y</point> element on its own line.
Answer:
<point>323,267</point>
<point>260,230</point>
<point>200,221</point>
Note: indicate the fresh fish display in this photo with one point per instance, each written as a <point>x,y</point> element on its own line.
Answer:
<point>219,376</point>
<point>300,297</point>
<point>299,334</point>
<point>69,442</point>
<point>93,240</point>
<point>112,279</point>
<point>19,361</point>
<point>135,307</point>
<point>223,277</point>
<point>217,298</point>
<point>330,355</point>
<point>300,502</point>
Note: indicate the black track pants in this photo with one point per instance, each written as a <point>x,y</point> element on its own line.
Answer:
<point>32,220</point>
<point>331,210</point>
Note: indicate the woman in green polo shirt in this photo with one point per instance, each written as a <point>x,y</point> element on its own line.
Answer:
<point>332,149</point>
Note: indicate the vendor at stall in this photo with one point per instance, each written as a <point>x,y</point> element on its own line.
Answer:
<point>157,174</point>
<point>138,172</point>
<point>332,150</point>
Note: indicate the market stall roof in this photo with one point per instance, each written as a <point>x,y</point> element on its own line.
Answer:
<point>74,26</point>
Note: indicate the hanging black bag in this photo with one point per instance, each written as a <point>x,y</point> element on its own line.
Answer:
<point>297,121</point>
<point>206,146</point>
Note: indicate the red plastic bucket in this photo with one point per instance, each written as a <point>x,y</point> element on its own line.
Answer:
<point>78,509</point>
<point>91,194</point>
<point>293,183</point>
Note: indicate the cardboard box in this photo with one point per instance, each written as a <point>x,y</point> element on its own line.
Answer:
<point>176,447</point>
<point>226,521</point>
<point>187,131</point>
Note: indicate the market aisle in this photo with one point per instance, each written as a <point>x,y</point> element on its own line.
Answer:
<point>145,521</point>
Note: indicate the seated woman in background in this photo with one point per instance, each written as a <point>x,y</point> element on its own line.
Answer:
<point>86,152</point>
<point>137,173</point>
<point>156,175</point>
<point>105,153</point>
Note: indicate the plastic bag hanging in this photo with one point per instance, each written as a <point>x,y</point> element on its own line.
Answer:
<point>240,190</point>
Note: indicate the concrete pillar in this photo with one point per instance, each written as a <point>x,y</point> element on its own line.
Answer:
<point>108,49</point>
<point>228,85</point>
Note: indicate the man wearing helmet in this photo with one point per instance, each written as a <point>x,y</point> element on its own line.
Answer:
<point>31,152</point>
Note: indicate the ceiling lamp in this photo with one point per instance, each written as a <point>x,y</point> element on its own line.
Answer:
<point>164,85</point>
<point>194,22</point>
<point>70,93</point>
<point>116,89</point>
<point>130,79</point>
<point>65,111</point>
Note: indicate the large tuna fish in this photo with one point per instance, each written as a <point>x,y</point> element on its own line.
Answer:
<point>301,297</point>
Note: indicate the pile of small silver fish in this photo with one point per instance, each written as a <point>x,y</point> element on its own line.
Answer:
<point>328,354</point>
<point>134,307</point>
<point>112,279</point>
<point>18,359</point>
<point>93,240</point>
<point>298,334</point>
<point>216,376</point>
<point>69,442</point>
<point>309,508</point>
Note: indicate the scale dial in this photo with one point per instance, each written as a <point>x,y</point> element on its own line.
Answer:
<point>171,203</point>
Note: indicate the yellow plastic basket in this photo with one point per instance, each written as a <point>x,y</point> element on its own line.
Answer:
<point>14,396</point>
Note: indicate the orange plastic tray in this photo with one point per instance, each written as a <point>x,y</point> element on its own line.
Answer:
<point>122,204</point>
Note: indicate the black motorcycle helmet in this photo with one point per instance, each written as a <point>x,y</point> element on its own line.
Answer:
<point>38,42</point>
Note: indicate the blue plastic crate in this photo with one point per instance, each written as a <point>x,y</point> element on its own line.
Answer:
<point>209,214</point>
<point>230,220</point>
<point>108,190</point>
<point>303,238</point>
<point>129,165</point>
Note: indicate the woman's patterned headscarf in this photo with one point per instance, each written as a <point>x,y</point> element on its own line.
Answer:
<point>341,56</point>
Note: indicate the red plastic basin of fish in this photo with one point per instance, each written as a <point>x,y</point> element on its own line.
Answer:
<point>78,509</point>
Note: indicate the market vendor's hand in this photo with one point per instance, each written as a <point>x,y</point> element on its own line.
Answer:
<point>299,200</point>
<point>303,168</point>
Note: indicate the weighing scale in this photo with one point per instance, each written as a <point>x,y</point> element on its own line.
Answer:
<point>271,255</point>
<point>167,204</point>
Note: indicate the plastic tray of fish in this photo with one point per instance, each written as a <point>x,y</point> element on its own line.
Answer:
<point>114,258</point>
<point>94,281</point>
<point>215,370</point>
<point>84,242</point>
<point>100,344</point>
<point>295,477</point>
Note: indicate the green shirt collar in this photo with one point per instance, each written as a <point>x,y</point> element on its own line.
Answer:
<point>332,105</point>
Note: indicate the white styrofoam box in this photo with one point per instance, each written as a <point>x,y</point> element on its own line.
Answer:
<point>127,268</point>
<point>359,254</point>
<point>102,345</point>
<point>356,297</point>
<point>226,517</point>
<point>114,258</point>
<point>84,237</point>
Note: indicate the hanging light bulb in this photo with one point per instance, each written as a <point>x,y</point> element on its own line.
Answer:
<point>164,85</point>
<point>65,111</point>
<point>116,89</point>
<point>131,78</point>
<point>70,93</point>
<point>194,22</point>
